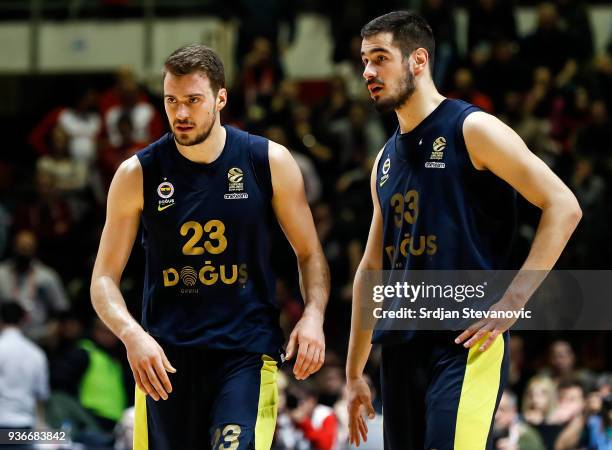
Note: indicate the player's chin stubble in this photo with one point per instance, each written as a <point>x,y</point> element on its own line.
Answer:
<point>200,137</point>
<point>406,89</point>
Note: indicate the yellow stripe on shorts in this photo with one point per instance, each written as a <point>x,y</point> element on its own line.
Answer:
<point>268,404</point>
<point>478,395</point>
<point>141,432</point>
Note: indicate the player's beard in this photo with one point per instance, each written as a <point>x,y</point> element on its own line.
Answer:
<point>200,137</point>
<point>406,89</point>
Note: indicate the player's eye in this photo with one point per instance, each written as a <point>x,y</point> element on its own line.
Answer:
<point>170,100</point>
<point>381,58</point>
<point>194,100</point>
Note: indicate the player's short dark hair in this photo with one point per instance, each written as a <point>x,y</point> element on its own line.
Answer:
<point>197,58</point>
<point>410,31</point>
<point>11,313</point>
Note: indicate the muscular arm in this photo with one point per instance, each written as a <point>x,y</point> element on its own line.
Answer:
<point>122,217</point>
<point>360,340</point>
<point>293,214</point>
<point>147,360</point>
<point>494,146</point>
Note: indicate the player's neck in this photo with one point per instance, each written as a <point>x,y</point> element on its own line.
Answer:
<point>423,101</point>
<point>207,151</point>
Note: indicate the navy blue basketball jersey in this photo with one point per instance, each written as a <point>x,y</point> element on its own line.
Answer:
<point>205,232</point>
<point>439,211</point>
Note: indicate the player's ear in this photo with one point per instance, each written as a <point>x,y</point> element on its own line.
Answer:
<point>221,99</point>
<point>420,57</point>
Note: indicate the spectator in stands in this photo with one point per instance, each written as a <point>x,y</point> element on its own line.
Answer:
<point>591,137</point>
<point>146,124</point>
<point>350,70</point>
<point>24,377</point>
<point>599,424</point>
<point>357,135</point>
<point>124,79</point>
<point>539,98</point>
<point>504,72</point>
<point>562,361</point>
<point>317,422</point>
<point>570,416</point>
<point>67,174</point>
<point>53,221</point>
<point>36,287</point>
<point>93,374</point>
<point>261,73</point>
<point>467,91</point>
<point>334,106</point>
<point>83,125</point>
<point>440,15</point>
<point>287,436</point>
<point>575,19</point>
<point>539,400</point>
<point>488,21</point>
<point>510,432</point>
<point>590,190</point>
<point>110,157</point>
<point>124,432</point>
<point>549,45</point>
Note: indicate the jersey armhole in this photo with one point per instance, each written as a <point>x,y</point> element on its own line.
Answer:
<point>460,120</point>
<point>258,153</point>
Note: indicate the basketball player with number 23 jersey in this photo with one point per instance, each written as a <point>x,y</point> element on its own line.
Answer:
<point>443,189</point>
<point>205,353</point>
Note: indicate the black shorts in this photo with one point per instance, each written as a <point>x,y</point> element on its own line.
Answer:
<point>219,400</point>
<point>440,395</point>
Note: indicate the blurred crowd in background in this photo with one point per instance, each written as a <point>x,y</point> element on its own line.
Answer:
<point>551,87</point>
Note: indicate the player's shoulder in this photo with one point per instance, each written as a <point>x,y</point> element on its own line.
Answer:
<point>277,152</point>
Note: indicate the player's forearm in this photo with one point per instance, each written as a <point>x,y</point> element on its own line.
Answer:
<point>314,282</point>
<point>110,306</point>
<point>557,223</point>
<point>360,342</point>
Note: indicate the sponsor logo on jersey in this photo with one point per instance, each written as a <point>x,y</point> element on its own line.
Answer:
<point>385,170</point>
<point>165,190</point>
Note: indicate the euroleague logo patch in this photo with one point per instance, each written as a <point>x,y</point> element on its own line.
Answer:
<point>235,179</point>
<point>437,154</point>
<point>165,190</point>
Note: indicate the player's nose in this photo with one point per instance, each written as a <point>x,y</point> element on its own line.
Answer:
<point>369,72</point>
<point>182,112</point>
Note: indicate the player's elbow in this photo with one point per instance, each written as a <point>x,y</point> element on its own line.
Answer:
<point>567,211</point>
<point>573,210</point>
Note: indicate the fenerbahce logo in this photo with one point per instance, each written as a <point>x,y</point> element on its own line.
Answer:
<point>437,154</point>
<point>235,180</point>
<point>385,171</point>
<point>165,190</point>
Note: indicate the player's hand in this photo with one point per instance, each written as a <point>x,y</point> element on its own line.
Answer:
<point>359,399</point>
<point>489,328</point>
<point>308,339</point>
<point>149,365</point>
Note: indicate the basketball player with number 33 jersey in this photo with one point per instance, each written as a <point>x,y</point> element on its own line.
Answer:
<point>443,189</point>
<point>205,353</point>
